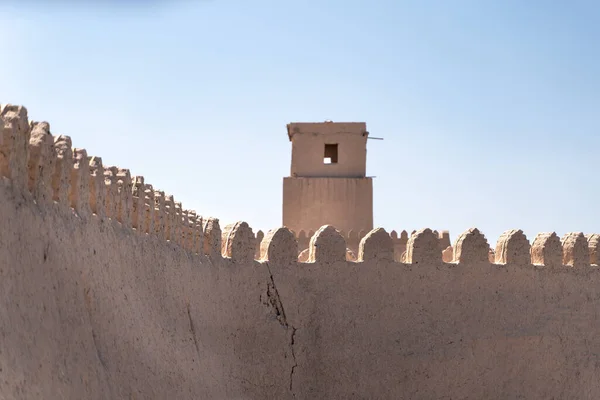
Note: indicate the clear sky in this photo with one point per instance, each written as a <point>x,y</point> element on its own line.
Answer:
<point>490,110</point>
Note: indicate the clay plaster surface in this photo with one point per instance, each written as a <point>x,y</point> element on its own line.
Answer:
<point>346,203</point>
<point>93,310</point>
<point>308,144</point>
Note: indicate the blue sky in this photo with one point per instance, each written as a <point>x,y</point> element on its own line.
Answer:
<point>489,109</point>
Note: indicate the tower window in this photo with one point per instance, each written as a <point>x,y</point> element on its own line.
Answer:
<point>331,154</point>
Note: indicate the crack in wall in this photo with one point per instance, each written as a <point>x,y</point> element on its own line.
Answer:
<point>292,339</point>
<point>273,300</point>
<point>193,330</point>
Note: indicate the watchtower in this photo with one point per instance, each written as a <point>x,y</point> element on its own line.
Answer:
<point>328,183</point>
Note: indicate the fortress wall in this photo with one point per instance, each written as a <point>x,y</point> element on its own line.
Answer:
<point>110,290</point>
<point>93,308</point>
<point>429,330</point>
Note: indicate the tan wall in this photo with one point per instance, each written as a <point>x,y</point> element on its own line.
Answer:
<point>431,330</point>
<point>308,146</point>
<point>309,203</point>
<point>102,306</point>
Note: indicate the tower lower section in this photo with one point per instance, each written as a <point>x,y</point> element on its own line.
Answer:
<point>345,203</point>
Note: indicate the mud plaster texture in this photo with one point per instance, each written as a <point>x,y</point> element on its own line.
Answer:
<point>93,310</point>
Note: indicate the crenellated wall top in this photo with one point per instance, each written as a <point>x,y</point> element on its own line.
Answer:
<point>47,169</point>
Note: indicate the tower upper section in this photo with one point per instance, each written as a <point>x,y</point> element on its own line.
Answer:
<point>328,149</point>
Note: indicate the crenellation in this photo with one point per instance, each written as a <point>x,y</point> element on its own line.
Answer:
<point>376,245</point>
<point>41,162</point>
<point>445,239</point>
<point>575,250</point>
<point>186,231</point>
<point>594,248</point>
<point>80,183</point>
<point>178,227</point>
<point>513,248</point>
<point>55,169</point>
<point>63,164</point>
<point>198,237</point>
<point>327,246</point>
<point>400,245</point>
<point>169,217</point>
<point>423,247</point>
<point>471,247</point>
<point>159,214</point>
<point>14,145</point>
<point>149,208</point>
<point>212,237</point>
<point>111,199</point>
<point>238,243</point>
<point>97,186</point>
<point>137,198</point>
<point>547,250</point>
<point>280,247</point>
<point>176,222</point>
<point>196,233</point>
<point>192,235</point>
<point>125,196</point>
<point>189,230</point>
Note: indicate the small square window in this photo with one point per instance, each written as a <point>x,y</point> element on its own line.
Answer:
<point>331,154</point>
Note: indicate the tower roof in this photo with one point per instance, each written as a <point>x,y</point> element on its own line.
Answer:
<point>326,128</point>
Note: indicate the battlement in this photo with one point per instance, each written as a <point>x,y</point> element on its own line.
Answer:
<point>353,240</point>
<point>49,169</point>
